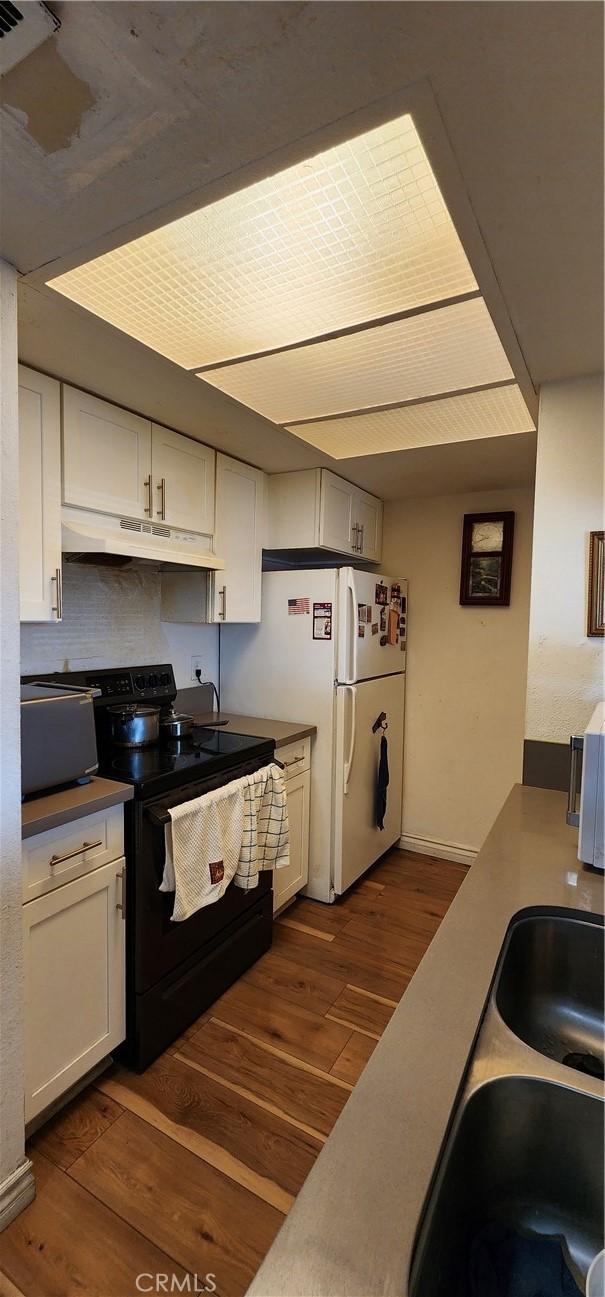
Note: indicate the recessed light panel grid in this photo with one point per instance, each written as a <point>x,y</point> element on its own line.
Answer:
<point>439,351</point>
<point>496,412</point>
<point>355,233</point>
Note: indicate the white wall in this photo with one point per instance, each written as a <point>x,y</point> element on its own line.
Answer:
<point>111,617</point>
<point>565,673</point>
<point>466,671</point>
<point>16,1180</point>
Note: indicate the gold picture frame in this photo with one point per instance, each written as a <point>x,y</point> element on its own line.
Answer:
<point>596,584</point>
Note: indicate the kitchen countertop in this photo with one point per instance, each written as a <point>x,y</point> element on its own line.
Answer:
<point>52,809</point>
<point>351,1230</point>
<point>282,731</point>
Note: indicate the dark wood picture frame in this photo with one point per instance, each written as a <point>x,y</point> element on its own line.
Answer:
<point>596,584</point>
<point>504,556</point>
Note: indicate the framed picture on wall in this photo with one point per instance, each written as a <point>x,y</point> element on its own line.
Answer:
<point>487,559</point>
<point>596,584</point>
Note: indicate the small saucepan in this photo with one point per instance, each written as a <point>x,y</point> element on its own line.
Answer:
<point>175,725</point>
<point>134,725</point>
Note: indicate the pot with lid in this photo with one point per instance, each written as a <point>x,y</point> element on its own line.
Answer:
<point>175,725</point>
<point>134,725</point>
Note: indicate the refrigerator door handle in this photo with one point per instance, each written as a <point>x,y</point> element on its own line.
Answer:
<point>350,666</point>
<point>349,761</point>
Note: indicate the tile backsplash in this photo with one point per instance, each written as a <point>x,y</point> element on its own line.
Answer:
<point>111,617</point>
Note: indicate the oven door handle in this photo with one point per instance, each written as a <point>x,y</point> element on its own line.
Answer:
<point>160,818</point>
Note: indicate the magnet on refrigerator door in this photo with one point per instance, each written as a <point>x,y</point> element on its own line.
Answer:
<point>322,621</point>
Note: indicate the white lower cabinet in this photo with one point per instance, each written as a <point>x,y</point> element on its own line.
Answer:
<point>74,982</point>
<point>290,880</point>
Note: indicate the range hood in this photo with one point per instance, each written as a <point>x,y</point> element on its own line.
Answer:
<point>98,539</point>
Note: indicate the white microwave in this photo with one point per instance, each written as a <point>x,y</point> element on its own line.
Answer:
<point>590,819</point>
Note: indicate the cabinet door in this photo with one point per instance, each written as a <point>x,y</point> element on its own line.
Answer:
<point>74,982</point>
<point>289,880</point>
<point>39,496</point>
<point>336,513</point>
<point>106,456</point>
<point>238,541</point>
<point>368,516</point>
<point>183,481</point>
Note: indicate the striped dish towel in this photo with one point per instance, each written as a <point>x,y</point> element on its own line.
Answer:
<point>266,838</point>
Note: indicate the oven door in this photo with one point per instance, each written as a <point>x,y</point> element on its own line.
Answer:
<point>160,945</point>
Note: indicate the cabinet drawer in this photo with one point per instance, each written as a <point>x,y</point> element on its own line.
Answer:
<point>295,757</point>
<point>62,854</point>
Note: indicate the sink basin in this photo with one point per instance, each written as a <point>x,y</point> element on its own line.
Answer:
<point>549,990</point>
<point>523,1152</point>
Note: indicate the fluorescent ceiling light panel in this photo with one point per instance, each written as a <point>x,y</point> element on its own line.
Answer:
<point>496,412</point>
<point>357,232</point>
<point>443,350</point>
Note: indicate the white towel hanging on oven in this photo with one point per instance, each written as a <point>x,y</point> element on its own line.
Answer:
<point>203,844</point>
<point>227,834</point>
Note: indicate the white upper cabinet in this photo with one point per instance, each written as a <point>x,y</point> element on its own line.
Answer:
<point>368,521</point>
<point>316,509</point>
<point>119,463</point>
<point>239,526</point>
<point>39,496</point>
<point>106,456</point>
<point>233,594</point>
<point>336,518</point>
<point>183,481</point>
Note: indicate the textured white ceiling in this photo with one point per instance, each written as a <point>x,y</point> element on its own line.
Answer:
<point>134,105</point>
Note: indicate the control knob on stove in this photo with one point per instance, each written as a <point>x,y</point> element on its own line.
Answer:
<point>152,680</point>
<point>164,678</point>
<point>139,682</point>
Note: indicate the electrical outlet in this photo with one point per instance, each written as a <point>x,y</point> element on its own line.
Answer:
<point>197,664</point>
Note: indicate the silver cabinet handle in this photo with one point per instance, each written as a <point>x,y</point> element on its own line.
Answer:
<point>58,606</point>
<point>294,762</point>
<point>361,538</point>
<point>576,744</point>
<point>355,542</point>
<point>162,508</point>
<point>121,904</point>
<point>149,484</point>
<point>69,855</point>
<point>222,607</point>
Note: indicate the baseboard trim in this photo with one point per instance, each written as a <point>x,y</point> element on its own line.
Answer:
<point>16,1192</point>
<point>435,847</point>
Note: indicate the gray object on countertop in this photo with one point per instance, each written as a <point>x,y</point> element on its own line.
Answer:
<point>58,739</point>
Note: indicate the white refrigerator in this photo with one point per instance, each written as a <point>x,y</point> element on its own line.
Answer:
<point>330,651</point>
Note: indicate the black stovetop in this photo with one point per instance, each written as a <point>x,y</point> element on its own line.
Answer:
<point>168,765</point>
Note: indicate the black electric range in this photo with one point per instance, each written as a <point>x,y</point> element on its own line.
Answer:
<point>174,971</point>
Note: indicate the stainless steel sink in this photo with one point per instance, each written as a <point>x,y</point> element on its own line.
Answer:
<point>526,1144</point>
<point>549,990</point>
<point>524,1153</point>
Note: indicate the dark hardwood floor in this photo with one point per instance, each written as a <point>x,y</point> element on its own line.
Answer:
<point>191,1167</point>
